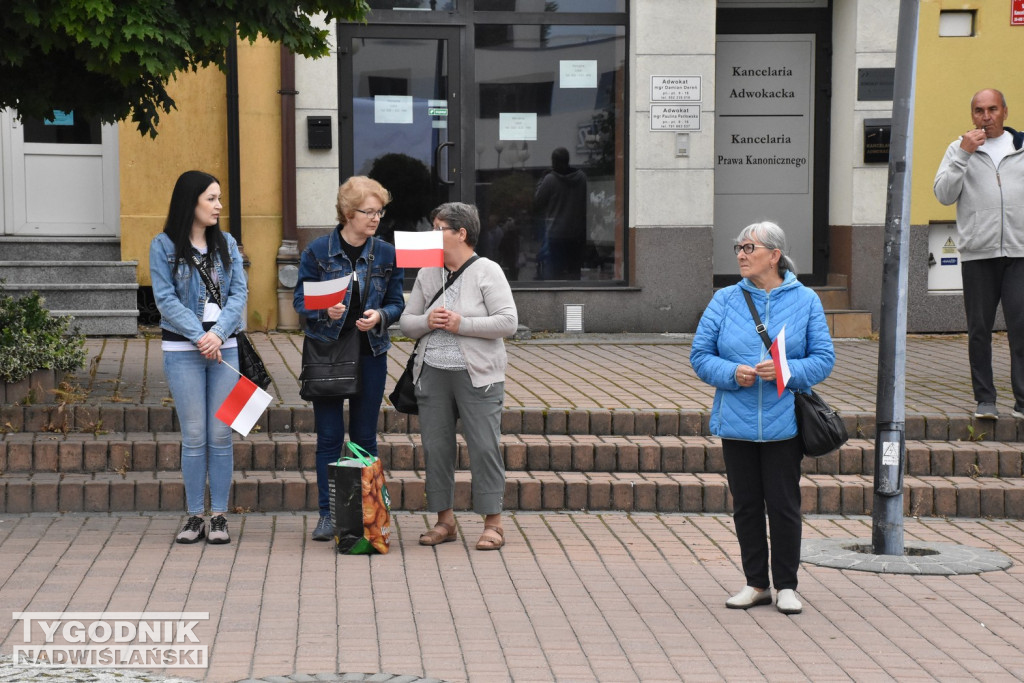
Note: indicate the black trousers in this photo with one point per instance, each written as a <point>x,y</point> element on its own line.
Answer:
<point>765,476</point>
<point>986,283</point>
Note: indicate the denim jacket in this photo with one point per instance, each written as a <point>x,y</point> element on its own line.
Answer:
<point>181,295</point>
<point>324,259</point>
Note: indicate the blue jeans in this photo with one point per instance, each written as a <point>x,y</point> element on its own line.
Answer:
<point>199,387</point>
<point>363,412</point>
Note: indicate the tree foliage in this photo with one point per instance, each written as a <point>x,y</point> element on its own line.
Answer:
<point>113,59</point>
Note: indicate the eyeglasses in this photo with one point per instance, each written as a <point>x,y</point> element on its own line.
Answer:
<point>373,214</point>
<point>446,227</point>
<point>747,248</point>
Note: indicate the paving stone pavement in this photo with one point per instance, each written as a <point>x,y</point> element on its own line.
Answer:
<point>572,597</point>
<point>639,372</point>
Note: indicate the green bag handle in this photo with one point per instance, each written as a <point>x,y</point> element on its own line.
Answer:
<point>359,454</point>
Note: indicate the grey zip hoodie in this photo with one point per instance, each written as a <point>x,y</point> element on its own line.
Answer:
<point>990,201</point>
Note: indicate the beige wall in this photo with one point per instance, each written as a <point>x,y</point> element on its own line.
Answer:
<point>194,136</point>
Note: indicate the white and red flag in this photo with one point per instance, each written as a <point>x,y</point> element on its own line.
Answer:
<point>778,351</point>
<point>419,249</point>
<point>319,295</point>
<point>243,406</point>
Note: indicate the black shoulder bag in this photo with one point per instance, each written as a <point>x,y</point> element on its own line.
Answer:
<point>403,398</point>
<point>820,428</point>
<point>330,369</point>
<point>249,362</point>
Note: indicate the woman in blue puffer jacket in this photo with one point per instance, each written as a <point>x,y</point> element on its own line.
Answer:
<point>758,427</point>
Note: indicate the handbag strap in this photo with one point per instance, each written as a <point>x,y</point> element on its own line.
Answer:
<point>452,277</point>
<point>761,329</point>
<point>213,289</point>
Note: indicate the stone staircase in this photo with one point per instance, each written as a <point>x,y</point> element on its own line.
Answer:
<point>843,322</point>
<point>84,279</point>
<point>99,458</point>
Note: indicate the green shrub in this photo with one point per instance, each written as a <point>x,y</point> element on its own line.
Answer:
<point>31,339</point>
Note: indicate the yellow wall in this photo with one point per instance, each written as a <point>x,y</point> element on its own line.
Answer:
<point>949,72</point>
<point>194,136</point>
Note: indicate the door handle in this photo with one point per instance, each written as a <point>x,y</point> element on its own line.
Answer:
<point>437,163</point>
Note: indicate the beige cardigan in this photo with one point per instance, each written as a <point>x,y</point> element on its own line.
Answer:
<point>488,315</point>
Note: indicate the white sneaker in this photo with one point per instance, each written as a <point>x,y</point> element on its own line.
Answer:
<point>1017,414</point>
<point>787,602</point>
<point>749,597</point>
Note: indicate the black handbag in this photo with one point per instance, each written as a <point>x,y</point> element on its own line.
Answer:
<point>249,362</point>
<point>330,369</point>
<point>819,426</point>
<point>403,398</point>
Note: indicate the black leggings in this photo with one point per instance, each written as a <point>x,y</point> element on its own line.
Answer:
<point>766,476</point>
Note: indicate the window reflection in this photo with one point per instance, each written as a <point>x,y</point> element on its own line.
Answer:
<point>580,6</point>
<point>432,5</point>
<point>550,187</point>
<point>66,128</point>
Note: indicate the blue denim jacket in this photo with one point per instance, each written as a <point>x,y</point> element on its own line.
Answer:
<point>324,259</point>
<point>180,292</point>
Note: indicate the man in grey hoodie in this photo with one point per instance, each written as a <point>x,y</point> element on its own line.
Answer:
<point>983,173</point>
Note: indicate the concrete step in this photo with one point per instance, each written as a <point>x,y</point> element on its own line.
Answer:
<point>82,296</point>
<point>23,273</point>
<point>149,453</point>
<point>846,324</point>
<point>263,491</point>
<point>837,280</point>
<point>833,297</point>
<point>123,414</point>
<point>104,323</point>
<point>60,248</point>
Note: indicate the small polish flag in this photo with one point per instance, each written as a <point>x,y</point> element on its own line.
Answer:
<point>419,249</point>
<point>778,351</point>
<point>319,295</point>
<point>243,406</point>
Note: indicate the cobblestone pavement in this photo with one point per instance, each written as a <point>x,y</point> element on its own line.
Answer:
<point>641,372</point>
<point>571,597</point>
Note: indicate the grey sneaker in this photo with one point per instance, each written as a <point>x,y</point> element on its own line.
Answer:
<point>324,530</point>
<point>986,411</point>
<point>218,530</point>
<point>1019,414</point>
<point>194,530</point>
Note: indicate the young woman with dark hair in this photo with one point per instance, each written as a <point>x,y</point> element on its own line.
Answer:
<point>197,334</point>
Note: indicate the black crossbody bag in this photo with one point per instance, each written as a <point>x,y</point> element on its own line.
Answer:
<point>403,398</point>
<point>818,424</point>
<point>249,362</point>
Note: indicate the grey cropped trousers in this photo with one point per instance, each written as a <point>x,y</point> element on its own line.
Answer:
<point>438,392</point>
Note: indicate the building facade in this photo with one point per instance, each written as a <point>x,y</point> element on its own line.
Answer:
<point>614,147</point>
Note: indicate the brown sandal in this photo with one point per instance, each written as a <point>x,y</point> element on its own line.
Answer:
<point>436,537</point>
<point>489,542</point>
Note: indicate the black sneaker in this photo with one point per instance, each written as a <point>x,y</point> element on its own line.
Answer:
<point>195,530</point>
<point>324,530</point>
<point>218,530</point>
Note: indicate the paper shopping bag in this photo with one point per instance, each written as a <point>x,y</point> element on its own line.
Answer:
<point>360,503</point>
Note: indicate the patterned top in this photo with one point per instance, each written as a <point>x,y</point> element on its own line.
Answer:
<point>442,348</point>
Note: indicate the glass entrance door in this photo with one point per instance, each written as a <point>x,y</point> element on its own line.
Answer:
<point>400,114</point>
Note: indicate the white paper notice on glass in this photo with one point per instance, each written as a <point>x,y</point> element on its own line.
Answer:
<point>577,73</point>
<point>392,109</point>
<point>517,126</point>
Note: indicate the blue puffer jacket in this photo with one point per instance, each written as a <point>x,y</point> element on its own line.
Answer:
<point>726,338</point>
